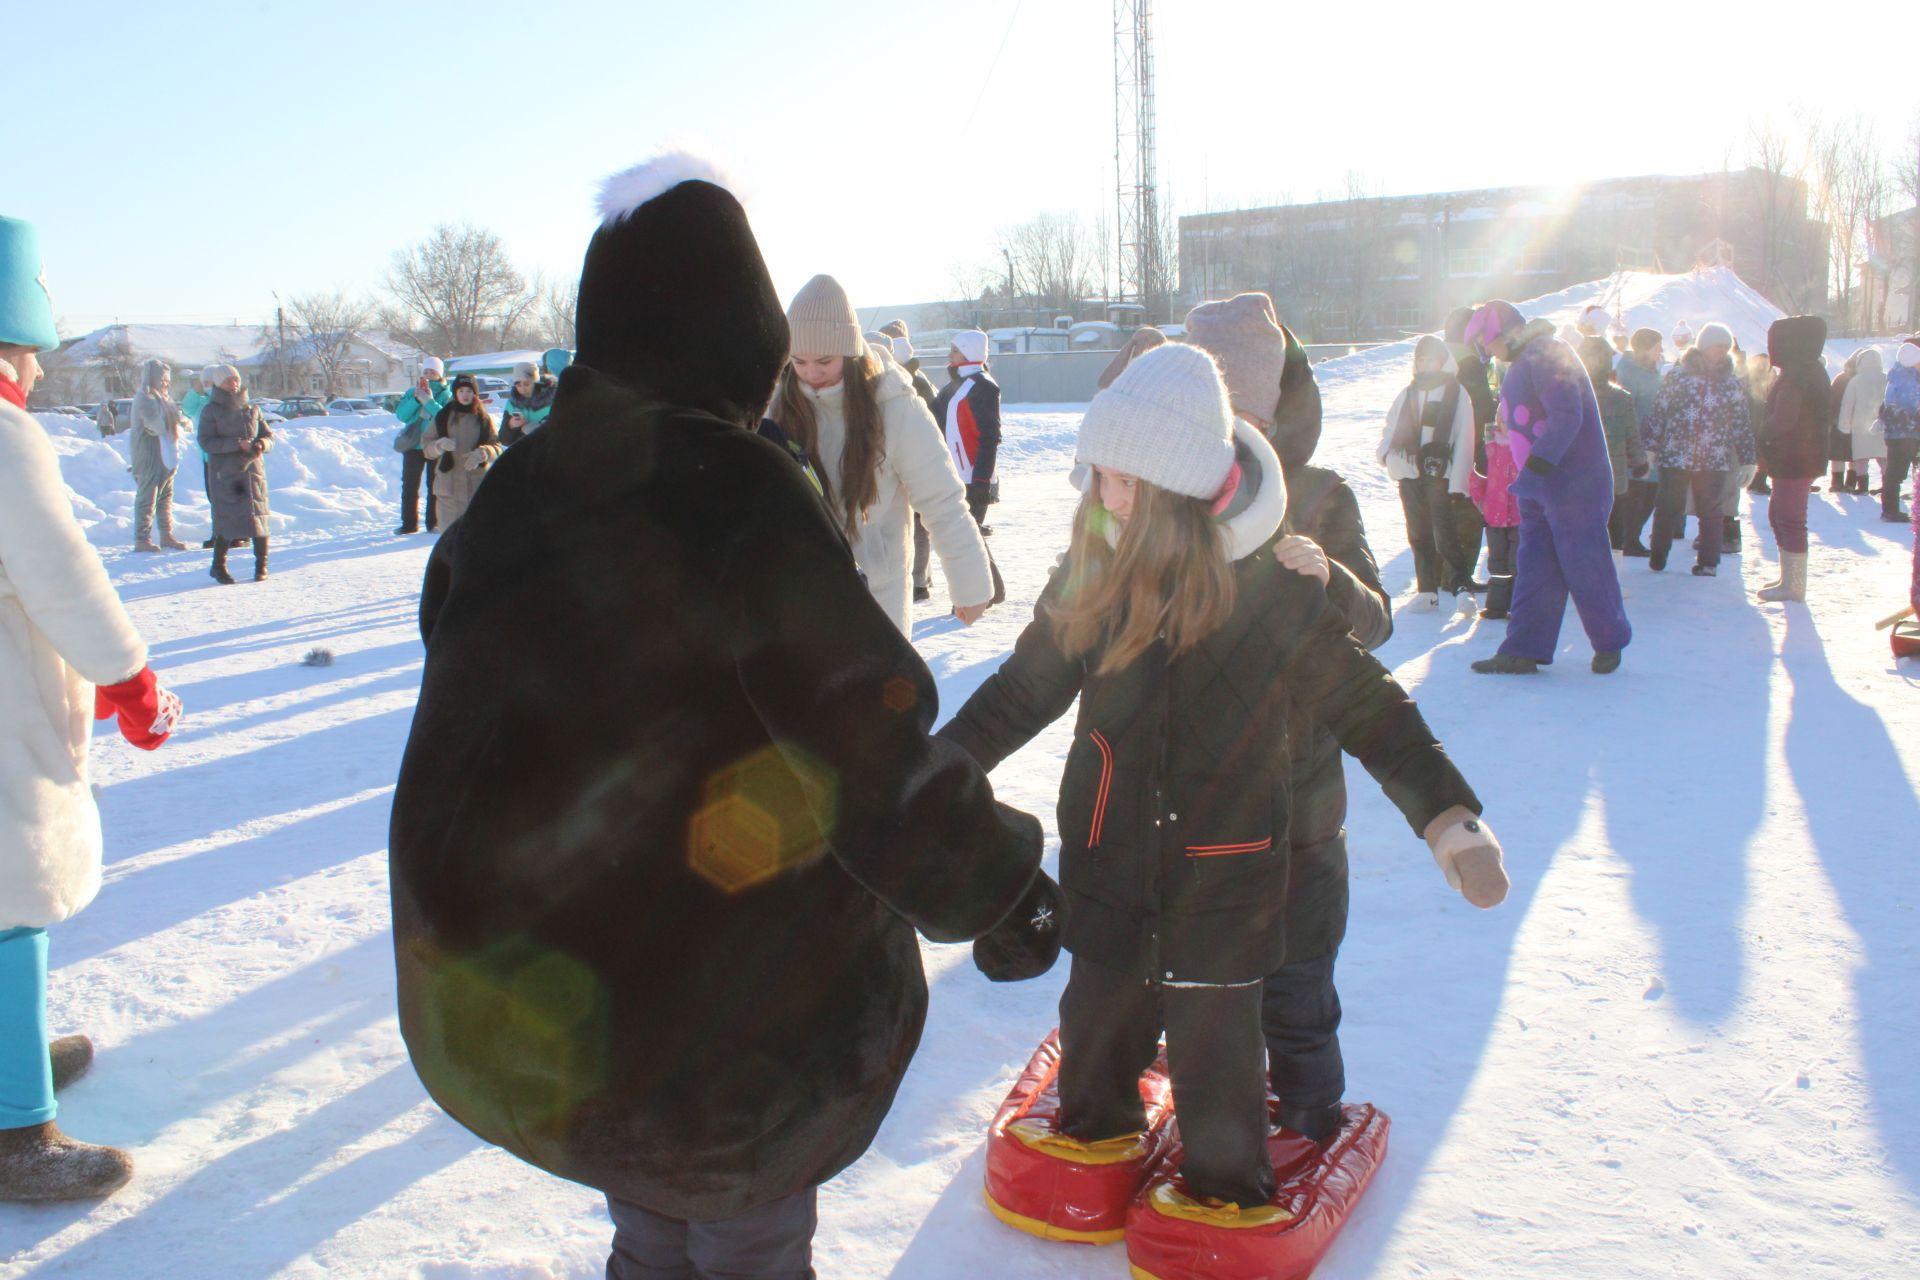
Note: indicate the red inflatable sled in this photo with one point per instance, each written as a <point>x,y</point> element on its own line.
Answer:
<point>1172,1236</point>
<point>1047,1184</point>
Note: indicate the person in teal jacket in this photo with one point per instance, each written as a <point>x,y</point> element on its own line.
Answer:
<point>416,412</point>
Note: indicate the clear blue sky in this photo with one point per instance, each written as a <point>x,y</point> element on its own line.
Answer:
<point>192,158</point>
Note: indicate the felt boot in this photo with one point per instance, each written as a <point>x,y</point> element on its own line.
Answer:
<point>39,1162</point>
<point>71,1056</point>
<point>1793,578</point>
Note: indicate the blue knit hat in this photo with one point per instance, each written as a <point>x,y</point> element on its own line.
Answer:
<point>556,360</point>
<point>26,309</point>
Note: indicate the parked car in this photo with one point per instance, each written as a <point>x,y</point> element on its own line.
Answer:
<point>303,407</point>
<point>352,408</point>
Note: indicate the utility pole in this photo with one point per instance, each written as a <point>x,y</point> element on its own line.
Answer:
<point>280,349</point>
<point>1008,255</point>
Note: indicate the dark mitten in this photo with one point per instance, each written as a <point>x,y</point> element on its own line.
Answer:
<point>1027,942</point>
<point>979,498</point>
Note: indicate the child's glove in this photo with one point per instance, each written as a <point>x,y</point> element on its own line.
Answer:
<point>1026,943</point>
<point>1468,855</point>
<point>148,714</point>
<point>437,446</point>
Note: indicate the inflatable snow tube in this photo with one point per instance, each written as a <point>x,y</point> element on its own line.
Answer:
<point>1047,1184</point>
<point>1172,1236</point>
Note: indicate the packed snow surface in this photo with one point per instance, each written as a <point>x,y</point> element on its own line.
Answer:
<point>1688,1044</point>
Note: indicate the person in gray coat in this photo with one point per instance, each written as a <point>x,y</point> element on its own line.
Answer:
<point>236,441</point>
<point>156,456</point>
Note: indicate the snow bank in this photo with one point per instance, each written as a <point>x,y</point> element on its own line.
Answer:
<point>1645,299</point>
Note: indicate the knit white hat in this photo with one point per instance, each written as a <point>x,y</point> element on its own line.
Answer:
<point>1681,331</point>
<point>1907,356</point>
<point>972,344</point>
<point>1595,318</point>
<point>1714,334</point>
<point>902,349</point>
<point>1164,420</point>
<point>432,367</point>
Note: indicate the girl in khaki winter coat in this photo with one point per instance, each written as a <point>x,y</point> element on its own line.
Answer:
<point>460,447</point>
<point>880,455</point>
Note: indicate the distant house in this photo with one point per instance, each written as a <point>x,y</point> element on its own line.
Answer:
<point>106,363</point>
<point>492,364</point>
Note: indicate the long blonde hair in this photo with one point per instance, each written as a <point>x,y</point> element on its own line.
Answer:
<point>1166,575</point>
<point>857,487</point>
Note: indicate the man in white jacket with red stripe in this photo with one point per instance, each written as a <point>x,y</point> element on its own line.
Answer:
<point>68,655</point>
<point>968,410</point>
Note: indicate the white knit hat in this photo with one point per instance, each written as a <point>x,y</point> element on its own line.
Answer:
<point>822,321</point>
<point>432,367</point>
<point>1682,331</point>
<point>1595,318</point>
<point>902,349</point>
<point>1908,356</point>
<point>972,344</point>
<point>526,371</point>
<point>1165,420</point>
<point>1714,334</point>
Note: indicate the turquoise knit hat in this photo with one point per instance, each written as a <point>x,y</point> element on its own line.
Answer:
<point>556,360</point>
<point>26,309</point>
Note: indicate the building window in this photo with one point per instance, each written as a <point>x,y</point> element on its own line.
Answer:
<point>1335,324</point>
<point>1544,262</point>
<point>1468,262</point>
<point>1405,317</point>
<point>1403,263</point>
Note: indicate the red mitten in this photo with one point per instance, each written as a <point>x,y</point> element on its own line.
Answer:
<point>148,713</point>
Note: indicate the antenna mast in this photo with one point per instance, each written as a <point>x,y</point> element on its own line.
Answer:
<point>1142,275</point>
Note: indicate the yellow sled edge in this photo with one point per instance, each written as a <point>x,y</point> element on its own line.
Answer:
<point>1047,1231</point>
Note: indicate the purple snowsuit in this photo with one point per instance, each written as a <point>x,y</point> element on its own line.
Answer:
<point>1565,490</point>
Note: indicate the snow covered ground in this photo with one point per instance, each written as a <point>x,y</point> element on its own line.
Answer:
<point>1688,1044</point>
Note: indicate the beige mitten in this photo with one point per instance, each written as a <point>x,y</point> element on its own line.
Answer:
<point>1468,855</point>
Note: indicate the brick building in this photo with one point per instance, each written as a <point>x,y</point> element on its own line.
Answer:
<point>1380,268</point>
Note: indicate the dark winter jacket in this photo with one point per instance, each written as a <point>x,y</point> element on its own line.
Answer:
<point>1796,445</point>
<point>235,440</point>
<point>1320,506</point>
<point>1700,419</point>
<point>675,960</point>
<point>922,386</point>
<point>530,412</point>
<point>1624,448</point>
<point>1175,812</point>
<point>1471,373</point>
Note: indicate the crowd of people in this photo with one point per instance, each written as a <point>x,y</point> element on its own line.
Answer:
<point>676,961</point>
<point>1561,448</point>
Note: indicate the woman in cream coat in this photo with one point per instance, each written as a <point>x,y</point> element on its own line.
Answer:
<point>68,654</point>
<point>1860,410</point>
<point>880,455</point>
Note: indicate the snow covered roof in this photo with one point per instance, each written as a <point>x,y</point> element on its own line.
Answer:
<point>490,361</point>
<point>178,344</point>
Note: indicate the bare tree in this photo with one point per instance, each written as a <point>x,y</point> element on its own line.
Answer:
<point>1903,245</point>
<point>323,328</point>
<point>1053,261</point>
<point>458,288</point>
<point>558,313</point>
<point>119,364</point>
<point>1782,168</point>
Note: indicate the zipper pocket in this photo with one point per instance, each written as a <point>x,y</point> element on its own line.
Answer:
<point>1223,850</point>
<point>1106,784</point>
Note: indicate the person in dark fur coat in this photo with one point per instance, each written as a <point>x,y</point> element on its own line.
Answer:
<point>1323,531</point>
<point>1796,444</point>
<point>676,960</point>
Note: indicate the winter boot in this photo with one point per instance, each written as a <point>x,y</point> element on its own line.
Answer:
<point>1499,596</point>
<point>1760,484</point>
<point>1836,480</point>
<point>922,594</point>
<point>1606,662</point>
<point>1316,1124</point>
<point>1730,533</point>
<point>259,559</point>
<point>71,1056</point>
<point>1793,578</point>
<point>1705,571</point>
<point>1860,483</point>
<point>41,1163</point>
<point>1506,664</point>
<point>144,543</point>
<point>219,571</point>
<point>1851,483</point>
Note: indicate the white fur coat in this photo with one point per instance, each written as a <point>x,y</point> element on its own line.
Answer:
<point>62,630</point>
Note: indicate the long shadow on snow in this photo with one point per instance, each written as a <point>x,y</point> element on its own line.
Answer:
<point>268,1211</point>
<point>1861,806</point>
<point>280,632</point>
<point>386,666</point>
<point>276,780</point>
<point>1413,1036</point>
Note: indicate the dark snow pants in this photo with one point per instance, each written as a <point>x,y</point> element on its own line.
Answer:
<point>1671,509</point>
<point>1893,473</point>
<point>773,1242</point>
<point>1472,526</point>
<point>1503,545</point>
<point>1564,551</point>
<point>1630,512</point>
<point>922,555</point>
<point>1433,535</point>
<point>1300,1017</point>
<point>413,465</point>
<point>1110,1033</point>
